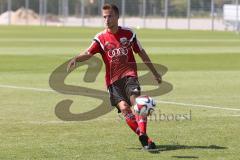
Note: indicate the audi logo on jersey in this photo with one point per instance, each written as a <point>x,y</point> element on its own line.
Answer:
<point>117,52</point>
<point>113,51</point>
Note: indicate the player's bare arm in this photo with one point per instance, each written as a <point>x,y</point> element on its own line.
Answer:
<point>79,58</point>
<point>145,58</point>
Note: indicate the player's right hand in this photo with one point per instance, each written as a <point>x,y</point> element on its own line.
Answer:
<point>71,64</point>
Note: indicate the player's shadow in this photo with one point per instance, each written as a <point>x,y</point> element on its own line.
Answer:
<point>163,148</point>
<point>185,157</point>
<point>177,147</point>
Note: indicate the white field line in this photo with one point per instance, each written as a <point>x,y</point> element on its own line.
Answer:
<point>159,101</point>
<point>197,105</point>
<point>89,39</point>
<point>27,88</point>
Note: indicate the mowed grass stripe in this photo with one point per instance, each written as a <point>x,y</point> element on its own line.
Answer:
<point>86,44</point>
<point>188,62</point>
<point>160,39</point>
<point>41,50</point>
<point>158,101</point>
<point>84,32</point>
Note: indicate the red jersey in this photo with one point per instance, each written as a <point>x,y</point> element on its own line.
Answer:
<point>117,53</point>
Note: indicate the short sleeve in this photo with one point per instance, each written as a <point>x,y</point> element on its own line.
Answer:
<point>136,46</point>
<point>94,48</point>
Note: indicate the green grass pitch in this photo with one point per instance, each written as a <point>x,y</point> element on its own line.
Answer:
<point>203,67</point>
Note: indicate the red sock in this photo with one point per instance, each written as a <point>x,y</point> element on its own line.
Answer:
<point>131,121</point>
<point>142,124</point>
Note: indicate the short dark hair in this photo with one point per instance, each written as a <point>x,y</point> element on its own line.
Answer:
<point>111,6</point>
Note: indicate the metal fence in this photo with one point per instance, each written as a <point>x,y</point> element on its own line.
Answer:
<point>163,14</point>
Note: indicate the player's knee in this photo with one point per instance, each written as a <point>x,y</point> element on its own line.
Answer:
<point>134,90</point>
<point>133,93</point>
<point>124,107</point>
<point>133,99</point>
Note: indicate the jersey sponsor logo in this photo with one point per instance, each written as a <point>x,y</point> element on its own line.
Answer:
<point>113,51</point>
<point>117,52</point>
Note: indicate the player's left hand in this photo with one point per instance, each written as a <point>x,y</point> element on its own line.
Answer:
<point>158,78</point>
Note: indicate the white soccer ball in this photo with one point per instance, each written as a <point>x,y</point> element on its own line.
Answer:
<point>144,105</point>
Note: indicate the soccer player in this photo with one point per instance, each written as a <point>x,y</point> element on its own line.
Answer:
<point>116,45</point>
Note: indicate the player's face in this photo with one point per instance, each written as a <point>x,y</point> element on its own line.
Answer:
<point>110,18</point>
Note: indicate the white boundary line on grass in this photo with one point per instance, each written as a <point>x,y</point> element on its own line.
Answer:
<point>159,101</point>
<point>198,105</point>
<point>27,88</point>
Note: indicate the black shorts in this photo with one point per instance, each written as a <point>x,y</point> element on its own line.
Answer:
<point>122,89</point>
